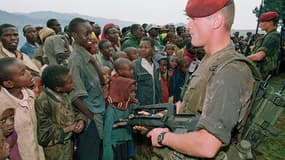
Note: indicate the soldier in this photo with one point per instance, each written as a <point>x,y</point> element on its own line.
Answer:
<point>266,50</point>
<point>220,89</point>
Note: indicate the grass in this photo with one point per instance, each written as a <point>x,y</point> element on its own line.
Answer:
<point>274,148</point>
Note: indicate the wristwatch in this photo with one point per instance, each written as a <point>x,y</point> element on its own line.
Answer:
<point>160,138</point>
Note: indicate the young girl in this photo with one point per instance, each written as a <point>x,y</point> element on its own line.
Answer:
<point>170,49</point>
<point>4,147</point>
<point>116,139</point>
<point>172,64</point>
<point>106,71</point>
<point>7,114</point>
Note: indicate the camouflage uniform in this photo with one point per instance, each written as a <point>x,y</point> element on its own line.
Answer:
<point>221,93</point>
<point>270,44</point>
<point>55,112</point>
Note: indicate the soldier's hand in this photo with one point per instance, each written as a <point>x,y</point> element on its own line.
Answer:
<point>153,134</point>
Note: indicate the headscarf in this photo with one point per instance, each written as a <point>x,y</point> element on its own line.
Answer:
<point>119,92</point>
<point>106,27</point>
<point>116,45</point>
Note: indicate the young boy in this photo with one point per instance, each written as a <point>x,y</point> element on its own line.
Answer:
<point>177,80</point>
<point>56,118</point>
<point>14,79</point>
<point>117,138</point>
<point>162,61</point>
<point>146,73</point>
<point>87,94</point>
<point>7,114</point>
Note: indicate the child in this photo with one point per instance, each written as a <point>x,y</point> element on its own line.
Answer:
<point>4,147</point>
<point>123,67</point>
<point>107,79</point>
<point>172,64</point>
<point>132,53</point>
<point>170,49</point>
<point>56,117</point>
<point>116,139</point>
<point>162,61</point>
<point>37,88</point>
<point>119,54</point>
<point>7,114</point>
<point>146,72</point>
<point>15,79</point>
<point>178,79</point>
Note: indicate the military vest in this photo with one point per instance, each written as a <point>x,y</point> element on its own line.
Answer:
<point>194,97</point>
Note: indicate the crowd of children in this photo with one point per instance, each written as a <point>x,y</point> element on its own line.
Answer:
<point>61,101</point>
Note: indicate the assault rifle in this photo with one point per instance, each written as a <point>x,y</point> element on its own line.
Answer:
<point>246,50</point>
<point>159,115</point>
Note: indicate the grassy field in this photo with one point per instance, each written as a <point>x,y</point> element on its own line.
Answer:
<point>274,148</point>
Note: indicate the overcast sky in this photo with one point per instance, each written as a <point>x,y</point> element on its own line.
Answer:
<point>140,11</point>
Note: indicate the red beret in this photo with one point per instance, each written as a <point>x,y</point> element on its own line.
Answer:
<point>268,16</point>
<point>203,8</point>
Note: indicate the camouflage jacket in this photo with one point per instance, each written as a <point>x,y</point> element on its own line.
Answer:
<point>55,112</point>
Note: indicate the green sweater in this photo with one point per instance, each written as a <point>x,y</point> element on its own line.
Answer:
<point>115,136</point>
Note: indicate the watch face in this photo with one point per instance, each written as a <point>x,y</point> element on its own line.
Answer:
<point>160,138</point>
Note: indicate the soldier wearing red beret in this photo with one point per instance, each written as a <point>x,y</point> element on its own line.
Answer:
<point>266,50</point>
<point>219,95</point>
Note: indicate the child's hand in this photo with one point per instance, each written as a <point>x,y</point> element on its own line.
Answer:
<point>78,126</point>
<point>69,128</point>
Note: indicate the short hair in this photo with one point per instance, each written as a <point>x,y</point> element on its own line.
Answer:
<point>134,27</point>
<point>120,63</point>
<point>26,27</point>
<point>4,63</point>
<point>38,28</point>
<point>130,49</point>
<point>125,29</point>
<point>119,54</point>
<point>73,24</point>
<point>6,25</point>
<point>53,75</point>
<point>50,22</point>
<point>150,40</point>
<point>229,13</point>
<point>101,43</point>
<point>179,27</point>
<point>182,62</point>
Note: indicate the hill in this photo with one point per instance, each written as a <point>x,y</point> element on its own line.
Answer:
<point>40,18</point>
